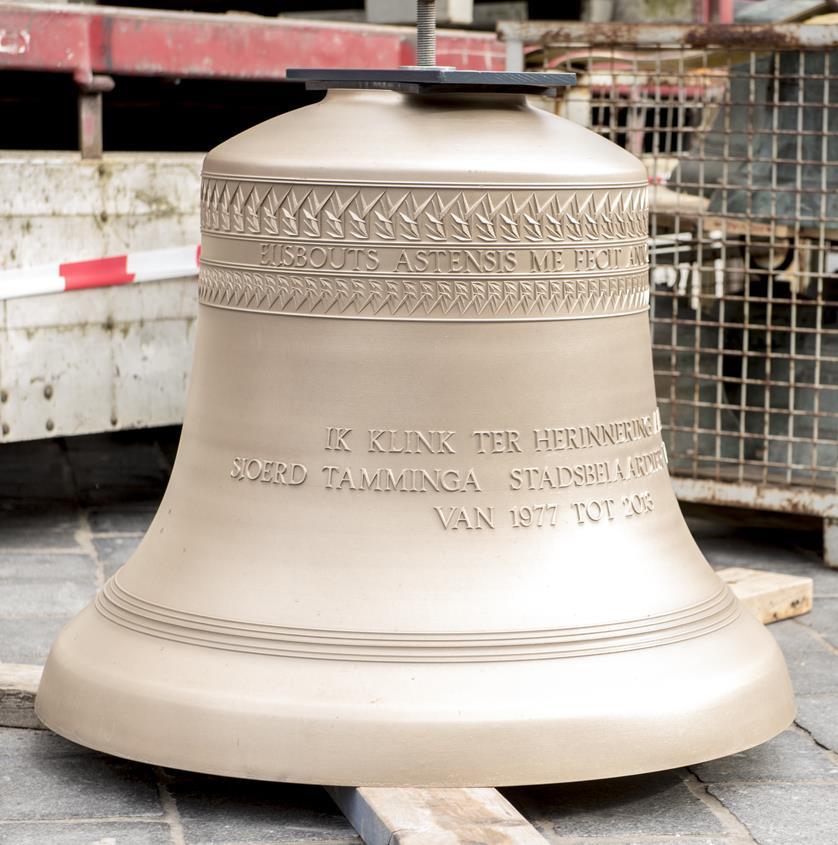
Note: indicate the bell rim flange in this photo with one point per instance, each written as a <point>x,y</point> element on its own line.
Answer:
<point>326,751</point>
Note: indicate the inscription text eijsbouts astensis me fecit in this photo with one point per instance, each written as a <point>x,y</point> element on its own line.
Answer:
<point>423,252</point>
<point>450,260</point>
<point>537,475</point>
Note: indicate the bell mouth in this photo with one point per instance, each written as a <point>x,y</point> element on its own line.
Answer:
<point>414,724</point>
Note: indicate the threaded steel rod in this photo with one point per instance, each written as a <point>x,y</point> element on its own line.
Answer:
<point>426,33</point>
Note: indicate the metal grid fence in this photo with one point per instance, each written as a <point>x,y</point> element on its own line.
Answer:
<point>738,128</point>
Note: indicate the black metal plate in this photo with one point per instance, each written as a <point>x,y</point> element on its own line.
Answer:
<point>427,80</point>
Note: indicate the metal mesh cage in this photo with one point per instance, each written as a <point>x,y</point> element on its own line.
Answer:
<point>738,128</point>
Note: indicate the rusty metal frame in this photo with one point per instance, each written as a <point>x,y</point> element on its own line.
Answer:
<point>773,446</point>
<point>96,42</point>
<point>768,36</point>
<point>142,42</point>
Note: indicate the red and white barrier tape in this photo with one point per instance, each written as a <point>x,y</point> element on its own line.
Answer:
<point>135,267</point>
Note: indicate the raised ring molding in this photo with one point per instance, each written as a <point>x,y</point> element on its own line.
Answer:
<point>129,611</point>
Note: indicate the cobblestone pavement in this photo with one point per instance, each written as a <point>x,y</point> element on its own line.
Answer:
<point>72,511</point>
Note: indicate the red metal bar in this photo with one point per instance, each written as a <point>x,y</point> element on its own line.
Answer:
<point>138,42</point>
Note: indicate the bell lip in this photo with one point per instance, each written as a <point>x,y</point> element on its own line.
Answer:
<point>239,774</point>
<point>328,757</point>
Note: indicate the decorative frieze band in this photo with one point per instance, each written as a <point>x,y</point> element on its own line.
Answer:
<point>437,299</point>
<point>417,215</point>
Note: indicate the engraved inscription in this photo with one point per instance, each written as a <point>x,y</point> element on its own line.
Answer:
<point>611,433</point>
<point>494,448</point>
<point>454,518</point>
<point>529,516</point>
<point>386,479</point>
<point>268,471</point>
<point>303,257</point>
<point>442,261</point>
<point>336,439</point>
<point>594,510</point>
<point>411,442</point>
<point>456,261</point>
<point>394,213</point>
<point>588,474</point>
<point>599,510</point>
<point>497,442</point>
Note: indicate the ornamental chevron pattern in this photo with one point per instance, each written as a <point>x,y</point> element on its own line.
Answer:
<point>416,215</point>
<point>434,300</point>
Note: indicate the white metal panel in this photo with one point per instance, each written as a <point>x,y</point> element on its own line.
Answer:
<point>107,358</point>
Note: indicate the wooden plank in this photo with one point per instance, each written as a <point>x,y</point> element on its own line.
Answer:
<point>770,596</point>
<point>18,685</point>
<point>411,816</point>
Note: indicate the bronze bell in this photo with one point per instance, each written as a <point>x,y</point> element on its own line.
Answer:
<point>420,529</point>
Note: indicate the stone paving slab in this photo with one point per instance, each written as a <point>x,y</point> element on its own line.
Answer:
<point>27,639</point>
<point>731,537</point>
<point>119,518</point>
<point>818,715</point>
<point>34,526</point>
<point>823,618</point>
<point>784,814</point>
<point>85,833</point>
<point>215,810</point>
<point>45,585</point>
<point>813,666</point>
<point>642,840</point>
<point>46,777</point>
<point>736,551</point>
<point>788,757</point>
<point>659,804</point>
<point>113,552</point>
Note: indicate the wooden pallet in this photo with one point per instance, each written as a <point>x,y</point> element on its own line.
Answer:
<point>770,596</point>
<point>412,816</point>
